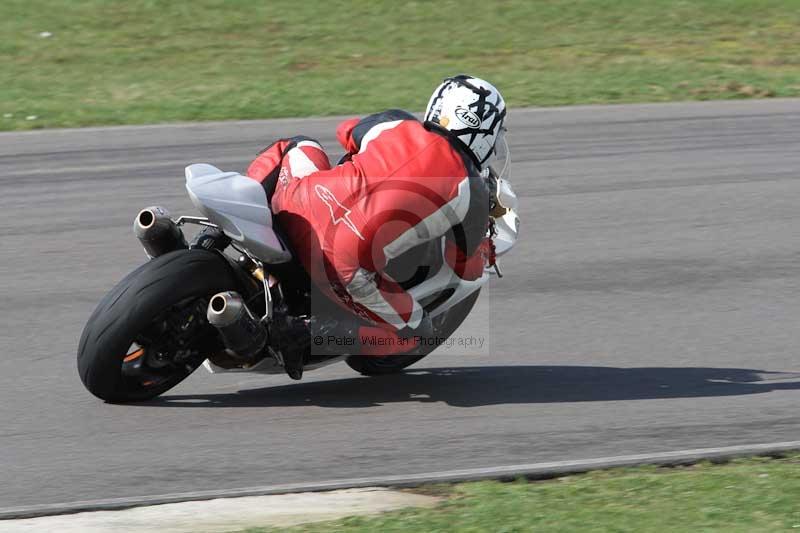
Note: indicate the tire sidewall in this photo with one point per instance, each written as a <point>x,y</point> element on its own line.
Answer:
<point>131,306</point>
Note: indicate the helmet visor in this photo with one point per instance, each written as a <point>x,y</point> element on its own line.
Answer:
<point>500,160</point>
<point>498,169</point>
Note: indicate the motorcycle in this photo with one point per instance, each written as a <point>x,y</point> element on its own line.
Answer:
<point>191,306</point>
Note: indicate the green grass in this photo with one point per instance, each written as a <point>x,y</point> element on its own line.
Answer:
<point>141,61</point>
<point>751,495</point>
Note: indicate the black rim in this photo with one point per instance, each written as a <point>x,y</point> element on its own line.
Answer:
<point>169,348</point>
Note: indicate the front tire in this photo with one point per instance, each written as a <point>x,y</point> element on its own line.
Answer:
<point>392,364</point>
<point>143,304</point>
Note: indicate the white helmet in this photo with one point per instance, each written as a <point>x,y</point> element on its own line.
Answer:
<point>472,110</point>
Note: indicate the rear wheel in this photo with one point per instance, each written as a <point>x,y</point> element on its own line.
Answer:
<point>150,331</point>
<point>392,364</point>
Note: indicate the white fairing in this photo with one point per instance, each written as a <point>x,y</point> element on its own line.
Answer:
<point>507,226</point>
<point>238,205</point>
<point>268,365</point>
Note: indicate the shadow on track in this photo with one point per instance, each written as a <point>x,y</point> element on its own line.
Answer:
<point>493,385</point>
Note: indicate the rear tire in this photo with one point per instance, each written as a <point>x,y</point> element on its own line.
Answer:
<point>392,364</point>
<point>130,307</point>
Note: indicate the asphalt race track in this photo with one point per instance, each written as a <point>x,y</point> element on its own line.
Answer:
<point>651,304</point>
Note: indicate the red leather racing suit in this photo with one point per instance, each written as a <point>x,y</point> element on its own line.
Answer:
<point>400,185</point>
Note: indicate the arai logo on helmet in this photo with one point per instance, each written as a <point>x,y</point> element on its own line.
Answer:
<point>468,117</point>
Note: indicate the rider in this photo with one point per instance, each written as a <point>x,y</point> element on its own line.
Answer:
<point>401,184</point>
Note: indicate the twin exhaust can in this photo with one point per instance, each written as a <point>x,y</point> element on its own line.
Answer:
<point>157,232</point>
<point>243,334</point>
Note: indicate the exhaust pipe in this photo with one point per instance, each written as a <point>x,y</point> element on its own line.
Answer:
<point>157,232</point>
<point>242,333</point>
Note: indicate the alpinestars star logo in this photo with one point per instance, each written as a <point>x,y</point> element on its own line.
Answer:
<point>339,213</point>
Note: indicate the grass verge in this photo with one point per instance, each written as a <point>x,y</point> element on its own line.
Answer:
<point>745,495</point>
<point>89,62</point>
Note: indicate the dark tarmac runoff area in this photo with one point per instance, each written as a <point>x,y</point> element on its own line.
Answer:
<point>651,304</point>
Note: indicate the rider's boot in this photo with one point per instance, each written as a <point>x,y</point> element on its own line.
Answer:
<point>291,337</point>
<point>293,364</point>
<point>332,337</point>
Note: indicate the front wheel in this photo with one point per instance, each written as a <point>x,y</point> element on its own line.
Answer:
<point>392,364</point>
<point>150,331</point>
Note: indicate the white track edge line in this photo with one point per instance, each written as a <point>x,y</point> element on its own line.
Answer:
<point>288,120</point>
<point>531,470</point>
